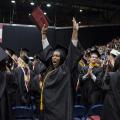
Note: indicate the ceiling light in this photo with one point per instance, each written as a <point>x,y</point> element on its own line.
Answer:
<point>81,10</point>
<point>29,14</point>
<point>45,13</point>
<point>48,5</point>
<point>32,3</point>
<point>13,1</point>
<point>80,22</point>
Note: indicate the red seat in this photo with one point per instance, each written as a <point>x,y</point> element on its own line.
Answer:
<point>94,117</point>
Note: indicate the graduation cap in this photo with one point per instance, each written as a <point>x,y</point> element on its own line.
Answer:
<point>24,50</point>
<point>37,56</point>
<point>87,52</point>
<point>3,54</point>
<point>62,48</point>
<point>115,52</point>
<point>9,51</point>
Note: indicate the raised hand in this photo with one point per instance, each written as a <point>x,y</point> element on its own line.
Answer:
<point>75,30</point>
<point>75,24</point>
<point>44,32</point>
<point>44,29</point>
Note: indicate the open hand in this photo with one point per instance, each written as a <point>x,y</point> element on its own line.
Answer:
<point>75,24</point>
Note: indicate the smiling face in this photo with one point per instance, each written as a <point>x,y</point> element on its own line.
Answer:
<point>56,59</point>
<point>93,58</point>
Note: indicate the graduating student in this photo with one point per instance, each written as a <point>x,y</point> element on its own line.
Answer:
<point>38,66</point>
<point>3,98</point>
<point>111,109</point>
<point>23,76</point>
<point>7,87</point>
<point>90,81</point>
<point>56,91</point>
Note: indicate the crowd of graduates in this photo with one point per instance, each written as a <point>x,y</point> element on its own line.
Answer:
<point>48,83</point>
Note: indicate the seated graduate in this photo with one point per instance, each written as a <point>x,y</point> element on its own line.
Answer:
<point>56,90</point>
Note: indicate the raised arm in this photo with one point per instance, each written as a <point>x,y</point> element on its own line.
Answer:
<point>47,49</point>
<point>75,50</point>
<point>75,32</point>
<point>45,42</point>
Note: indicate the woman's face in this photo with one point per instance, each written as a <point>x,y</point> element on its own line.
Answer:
<point>56,59</point>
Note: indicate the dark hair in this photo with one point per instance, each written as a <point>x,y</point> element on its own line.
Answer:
<point>3,65</point>
<point>11,52</point>
<point>25,50</point>
<point>62,55</point>
<point>37,56</point>
<point>9,62</point>
<point>95,52</point>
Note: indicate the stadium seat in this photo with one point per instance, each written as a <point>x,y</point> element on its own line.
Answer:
<point>22,113</point>
<point>76,118</point>
<point>79,111</point>
<point>95,112</point>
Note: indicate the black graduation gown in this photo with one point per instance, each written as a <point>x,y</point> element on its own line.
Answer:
<point>3,98</point>
<point>57,93</point>
<point>39,68</point>
<point>10,90</point>
<point>35,92</point>
<point>111,109</point>
<point>22,96</point>
<point>91,92</point>
<point>7,88</point>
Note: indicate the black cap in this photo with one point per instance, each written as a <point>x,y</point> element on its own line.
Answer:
<point>25,50</point>
<point>37,56</point>
<point>3,54</point>
<point>9,51</point>
<point>87,52</point>
<point>63,48</point>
